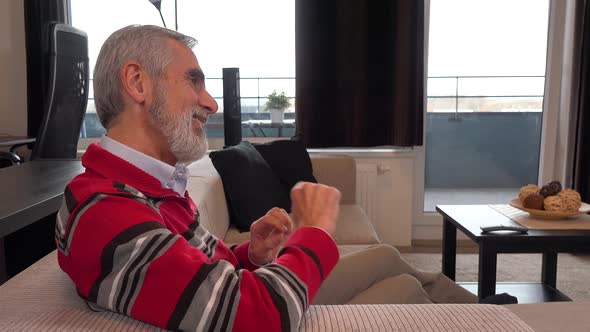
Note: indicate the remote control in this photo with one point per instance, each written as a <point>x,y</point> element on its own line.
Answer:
<point>488,229</point>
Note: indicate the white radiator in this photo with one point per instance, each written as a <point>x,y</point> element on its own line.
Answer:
<point>366,189</point>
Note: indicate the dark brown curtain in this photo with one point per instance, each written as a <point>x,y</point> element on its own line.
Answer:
<point>581,162</point>
<point>360,72</point>
<point>38,14</point>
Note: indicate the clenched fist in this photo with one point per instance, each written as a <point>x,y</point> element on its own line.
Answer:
<point>268,234</point>
<point>314,204</point>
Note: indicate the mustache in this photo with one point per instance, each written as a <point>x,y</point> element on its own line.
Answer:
<point>200,112</point>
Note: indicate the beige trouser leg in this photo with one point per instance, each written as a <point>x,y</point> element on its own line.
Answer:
<point>393,290</point>
<point>380,275</point>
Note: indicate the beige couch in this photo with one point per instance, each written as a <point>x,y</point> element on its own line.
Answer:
<point>354,230</point>
<point>42,298</point>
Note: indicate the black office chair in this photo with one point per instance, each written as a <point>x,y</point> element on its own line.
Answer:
<point>67,96</point>
<point>8,159</point>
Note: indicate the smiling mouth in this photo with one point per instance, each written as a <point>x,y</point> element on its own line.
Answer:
<point>199,116</point>
<point>201,119</point>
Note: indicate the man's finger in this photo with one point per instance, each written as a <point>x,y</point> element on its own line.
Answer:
<point>280,216</point>
<point>268,225</point>
<point>286,220</point>
<point>280,227</point>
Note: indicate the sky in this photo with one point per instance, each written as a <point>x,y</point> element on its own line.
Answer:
<point>466,37</point>
<point>258,36</point>
<point>488,37</point>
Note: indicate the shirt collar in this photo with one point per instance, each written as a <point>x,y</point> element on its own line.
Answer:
<point>172,177</point>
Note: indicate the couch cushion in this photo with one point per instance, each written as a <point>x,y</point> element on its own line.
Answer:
<point>289,160</point>
<point>205,188</point>
<point>234,236</point>
<point>353,228</point>
<point>251,187</point>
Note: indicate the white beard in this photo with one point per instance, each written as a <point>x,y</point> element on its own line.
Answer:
<point>186,143</point>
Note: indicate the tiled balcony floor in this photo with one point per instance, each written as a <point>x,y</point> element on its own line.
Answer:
<point>439,196</point>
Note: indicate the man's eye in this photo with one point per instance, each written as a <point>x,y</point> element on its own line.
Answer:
<point>196,82</point>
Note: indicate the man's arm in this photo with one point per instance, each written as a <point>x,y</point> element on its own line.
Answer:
<point>313,205</point>
<point>121,257</point>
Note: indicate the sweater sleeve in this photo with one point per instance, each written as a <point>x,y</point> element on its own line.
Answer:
<point>241,253</point>
<point>122,258</point>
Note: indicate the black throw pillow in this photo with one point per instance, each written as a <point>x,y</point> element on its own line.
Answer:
<point>251,187</point>
<point>289,160</point>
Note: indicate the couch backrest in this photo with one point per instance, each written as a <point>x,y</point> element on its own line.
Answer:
<point>337,171</point>
<point>206,189</point>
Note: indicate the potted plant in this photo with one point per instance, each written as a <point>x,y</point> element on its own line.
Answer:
<point>277,104</point>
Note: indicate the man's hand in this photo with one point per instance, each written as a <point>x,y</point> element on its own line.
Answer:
<point>268,234</point>
<point>314,204</point>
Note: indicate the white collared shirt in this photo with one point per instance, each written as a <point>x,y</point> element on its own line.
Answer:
<point>171,177</point>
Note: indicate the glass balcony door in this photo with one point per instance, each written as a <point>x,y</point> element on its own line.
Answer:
<point>485,92</point>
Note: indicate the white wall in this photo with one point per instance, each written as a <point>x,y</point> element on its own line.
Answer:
<point>13,75</point>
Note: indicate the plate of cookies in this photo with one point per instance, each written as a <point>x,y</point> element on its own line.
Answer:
<point>550,201</point>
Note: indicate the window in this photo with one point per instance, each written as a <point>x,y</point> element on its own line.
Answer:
<point>486,71</point>
<point>97,20</point>
<point>256,36</point>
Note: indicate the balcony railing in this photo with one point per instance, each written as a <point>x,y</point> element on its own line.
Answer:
<point>446,94</point>
<point>253,91</point>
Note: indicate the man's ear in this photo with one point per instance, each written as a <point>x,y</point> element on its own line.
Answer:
<point>136,82</point>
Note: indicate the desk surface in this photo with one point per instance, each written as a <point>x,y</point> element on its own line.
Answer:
<point>14,140</point>
<point>33,190</point>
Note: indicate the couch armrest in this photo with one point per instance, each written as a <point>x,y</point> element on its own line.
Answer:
<point>368,318</point>
<point>412,317</point>
<point>43,298</point>
<point>338,171</point>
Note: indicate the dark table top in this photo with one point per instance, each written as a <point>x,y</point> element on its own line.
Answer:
<point>33,190</point>
<point>469,219</point>
<point>14,140</point>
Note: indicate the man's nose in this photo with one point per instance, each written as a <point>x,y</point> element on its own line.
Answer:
<point>208,102</point>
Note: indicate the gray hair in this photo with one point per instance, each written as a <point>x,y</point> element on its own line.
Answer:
<point>142,43</point>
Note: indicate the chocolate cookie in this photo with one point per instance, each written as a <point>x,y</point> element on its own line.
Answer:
<point>533,201</point>
<point>550,189</point>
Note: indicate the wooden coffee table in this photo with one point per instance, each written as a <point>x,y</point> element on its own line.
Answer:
<point>469,218</point>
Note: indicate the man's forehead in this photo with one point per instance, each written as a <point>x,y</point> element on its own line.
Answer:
<point>183,57</point>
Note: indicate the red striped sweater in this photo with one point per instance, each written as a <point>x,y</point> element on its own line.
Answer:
<point>136,248</point>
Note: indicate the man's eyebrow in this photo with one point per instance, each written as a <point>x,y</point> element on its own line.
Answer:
<point>195,73</point>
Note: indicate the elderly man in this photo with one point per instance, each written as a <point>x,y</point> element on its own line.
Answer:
<point>128,234</point>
